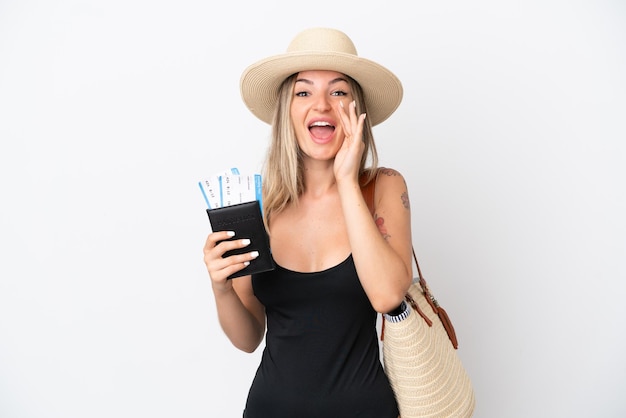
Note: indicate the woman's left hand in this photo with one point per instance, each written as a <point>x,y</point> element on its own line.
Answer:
<point>348,157</point>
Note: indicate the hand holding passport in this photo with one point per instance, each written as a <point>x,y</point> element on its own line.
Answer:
<point>234,204</point>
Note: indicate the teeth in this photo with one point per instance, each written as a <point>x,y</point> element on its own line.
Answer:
<point>320,124</point>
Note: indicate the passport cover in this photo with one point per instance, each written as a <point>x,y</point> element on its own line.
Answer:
<point>246,220</point>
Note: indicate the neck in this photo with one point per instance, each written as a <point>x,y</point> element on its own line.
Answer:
<point>319,180</point>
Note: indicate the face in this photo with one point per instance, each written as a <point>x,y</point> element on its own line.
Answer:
<point>315,112</point>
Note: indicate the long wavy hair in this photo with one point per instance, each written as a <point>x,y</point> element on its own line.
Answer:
<point>283,170</point>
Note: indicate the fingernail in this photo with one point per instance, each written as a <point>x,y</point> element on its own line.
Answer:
<point>245,241</point>
<point>230,233</point>
<point>254,254</point>
<point>246,263</point>
<point>341,104</point>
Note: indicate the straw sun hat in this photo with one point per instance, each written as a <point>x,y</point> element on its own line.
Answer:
<point>320,49</point>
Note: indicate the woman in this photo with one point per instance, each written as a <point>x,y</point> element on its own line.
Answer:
<point>336,265</point>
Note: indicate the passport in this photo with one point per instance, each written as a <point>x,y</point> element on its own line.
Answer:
<point>246,220</point>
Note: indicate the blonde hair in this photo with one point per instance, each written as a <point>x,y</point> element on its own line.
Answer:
<point>283,171</point>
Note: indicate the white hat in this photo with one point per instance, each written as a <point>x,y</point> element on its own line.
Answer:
<point>320,49</point>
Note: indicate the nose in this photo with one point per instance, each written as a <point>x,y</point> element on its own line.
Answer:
<point>322,104</point>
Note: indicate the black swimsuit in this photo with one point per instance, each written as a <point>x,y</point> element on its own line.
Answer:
<point>321,356</point>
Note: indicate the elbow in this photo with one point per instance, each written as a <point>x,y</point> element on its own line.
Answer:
<point>389,303</point>
<point>248,345</point>
<point>247,349</point>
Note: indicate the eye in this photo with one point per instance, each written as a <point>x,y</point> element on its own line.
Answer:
<point>302,93</point>
<point>339,93</point>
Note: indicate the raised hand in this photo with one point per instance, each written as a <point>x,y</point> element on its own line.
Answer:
<point>349,155</point>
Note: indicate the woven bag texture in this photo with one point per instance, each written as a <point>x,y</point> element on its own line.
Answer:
<point>424,369</point>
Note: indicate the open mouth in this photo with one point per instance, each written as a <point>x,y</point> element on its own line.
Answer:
<point>321,129</point>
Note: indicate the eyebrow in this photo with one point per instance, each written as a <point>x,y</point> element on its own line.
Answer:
<point>307,81</point>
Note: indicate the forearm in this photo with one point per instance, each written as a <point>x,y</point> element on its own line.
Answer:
<point>241,327</point>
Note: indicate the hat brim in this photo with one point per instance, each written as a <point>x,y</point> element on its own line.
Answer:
<point>260,82</point>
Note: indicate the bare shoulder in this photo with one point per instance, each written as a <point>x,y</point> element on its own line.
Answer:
<point>391,184</point>
<point>392,211</point>
<point>385,172</point>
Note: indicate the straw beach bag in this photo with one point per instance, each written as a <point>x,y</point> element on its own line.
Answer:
<point>419,354</point>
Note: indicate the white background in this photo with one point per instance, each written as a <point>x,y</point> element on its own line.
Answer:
<point>511,136</point>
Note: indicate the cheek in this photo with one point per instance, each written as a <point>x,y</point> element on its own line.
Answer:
<point>298,117</point>
<point>339,133</point>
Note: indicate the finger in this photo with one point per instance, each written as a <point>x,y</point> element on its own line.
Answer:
<point>349,120</point>
<point>215,237</point>
<point>353,117</point>
<point>360,125</point>
<point>357,121</point>
<point>221,243</point>
<point>220,267</point>
<point>344,118</point>
<point>234,263</point>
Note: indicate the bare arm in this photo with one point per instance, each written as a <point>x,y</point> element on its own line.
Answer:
<point>382,248</point>
<point>241,315</point>
<point>382,254</point>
